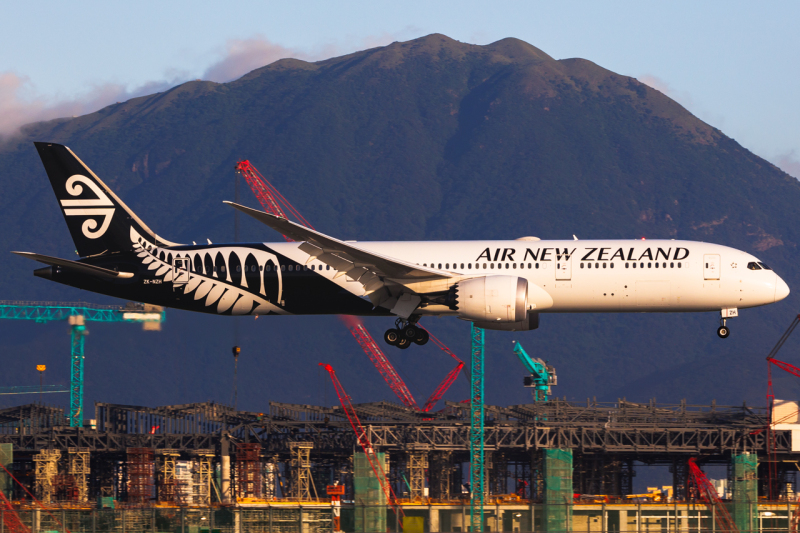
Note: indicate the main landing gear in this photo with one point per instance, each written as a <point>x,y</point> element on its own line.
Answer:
<point>404,333</point>
<point>723,330</point>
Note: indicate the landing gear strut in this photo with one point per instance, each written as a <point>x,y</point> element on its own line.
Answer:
<point>404,333</point>
<point>723,330</point>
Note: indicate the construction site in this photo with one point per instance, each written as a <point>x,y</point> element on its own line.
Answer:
<point>548,465</point>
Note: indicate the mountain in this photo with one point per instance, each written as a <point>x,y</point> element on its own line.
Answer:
<point>426,139</point>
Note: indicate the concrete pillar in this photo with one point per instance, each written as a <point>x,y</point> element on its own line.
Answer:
<point>623,521</point>
<point>433,519</point>
<point>226,469</point>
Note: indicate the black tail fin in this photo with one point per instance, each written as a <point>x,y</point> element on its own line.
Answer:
<point>97,219</point>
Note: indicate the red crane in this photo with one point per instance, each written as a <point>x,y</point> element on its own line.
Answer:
<point>708,495</point>
<point>363,440</point>
<point>772,466</point>
<point>274,203</point>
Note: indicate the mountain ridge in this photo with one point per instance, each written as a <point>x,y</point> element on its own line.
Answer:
<point>427,139</point>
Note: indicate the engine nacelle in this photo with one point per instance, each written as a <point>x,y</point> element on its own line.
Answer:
<point>492,299</point>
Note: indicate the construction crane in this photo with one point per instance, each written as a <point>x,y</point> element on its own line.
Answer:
<point>772,466</point>
<point>363,440</point>
<point>77,314</point>
<point>476,430</point>
<point>708,495</point>
<point>273,202</point>
<point>543,376</point>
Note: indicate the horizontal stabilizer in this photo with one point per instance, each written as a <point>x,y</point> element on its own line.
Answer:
<point>76,266</point>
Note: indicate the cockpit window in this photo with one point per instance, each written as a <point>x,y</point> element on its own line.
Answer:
<point>753,266</point>
<point>765,267</point>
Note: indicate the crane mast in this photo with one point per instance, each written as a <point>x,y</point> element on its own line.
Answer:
<point>273,202</point>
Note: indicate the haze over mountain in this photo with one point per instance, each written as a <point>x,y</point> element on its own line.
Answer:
<point>426,139</point>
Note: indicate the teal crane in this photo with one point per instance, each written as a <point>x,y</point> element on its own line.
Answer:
<point>476,431</point>
<point>77,314</point>
<point>543,376</point>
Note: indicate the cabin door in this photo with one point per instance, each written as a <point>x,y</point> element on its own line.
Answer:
<point>564,268</point>
<point>180,274</point>
<point>711,266</point>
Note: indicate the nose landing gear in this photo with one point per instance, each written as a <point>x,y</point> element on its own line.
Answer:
<point>404,333</point>
<point>723,331</point>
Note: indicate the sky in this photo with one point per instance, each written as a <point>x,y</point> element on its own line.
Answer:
<point>735,65</point>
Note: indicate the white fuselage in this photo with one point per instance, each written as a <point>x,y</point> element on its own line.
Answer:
<point>593,275</point>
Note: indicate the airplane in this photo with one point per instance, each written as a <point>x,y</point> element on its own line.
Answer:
<point>499,285</point>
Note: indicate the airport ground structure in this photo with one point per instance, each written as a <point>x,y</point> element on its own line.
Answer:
<point>550,466</point>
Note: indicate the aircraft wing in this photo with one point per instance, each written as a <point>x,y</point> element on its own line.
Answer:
<point>361,265</point>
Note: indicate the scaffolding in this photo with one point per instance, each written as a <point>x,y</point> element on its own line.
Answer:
<point>248,470</point>
<point>46,462</point>
<point>202,482</point>
<point>745,491</point>
<point>557,490</point>
<point>6,458</point>
<point>417,464</point>
<point>370,498</point>
<point>301,470</point>
<point>78,468</point>
<point>270,475</point>
<point>168,485</point>
<point>140,467</point>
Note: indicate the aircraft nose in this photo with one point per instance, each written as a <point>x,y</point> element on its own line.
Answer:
<point>781,289</point>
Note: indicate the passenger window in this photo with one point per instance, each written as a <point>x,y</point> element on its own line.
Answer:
<point>283,268</point>
<point>469,265</point>
<point>641,265</point>
<point>327,267</point>
<point>656,265</point>
<point>765,267</point>
<point>581,265</point>
<point>529,265</point>
<point>440,265</point>
<point>506,265</point>
<point>604,265</point>
<point>484,266</point>
<point>679,265</point>
<point>597,265</point>
<point>627,265</point>
<point>491,265</point>
<point>648,265</point>
<point>447,265</point>
<point>462,265</point>
<point>672,265</point>
<point>537,265</point>
<point>611,265</point>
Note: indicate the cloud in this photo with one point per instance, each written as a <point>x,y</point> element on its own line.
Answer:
<point>244,55</point>
<point>682,97</point>
<point>240,56</point>
<point>789,163</point>
<point>21,103</point>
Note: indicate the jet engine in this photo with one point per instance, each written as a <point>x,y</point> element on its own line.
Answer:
<point>492,299</point>
<point>507,303</point>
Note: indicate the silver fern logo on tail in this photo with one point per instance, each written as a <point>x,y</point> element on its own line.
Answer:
<point>88,207</point>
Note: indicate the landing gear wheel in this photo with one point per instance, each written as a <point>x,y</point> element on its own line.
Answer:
<point>403,343</point>
<point>410,332</point>
<point>723,332</point>
<point>422,338</point>
<point>391,337</point>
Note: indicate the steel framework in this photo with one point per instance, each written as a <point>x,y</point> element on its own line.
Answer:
<point>476,432</point>
<point>78,314</point>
